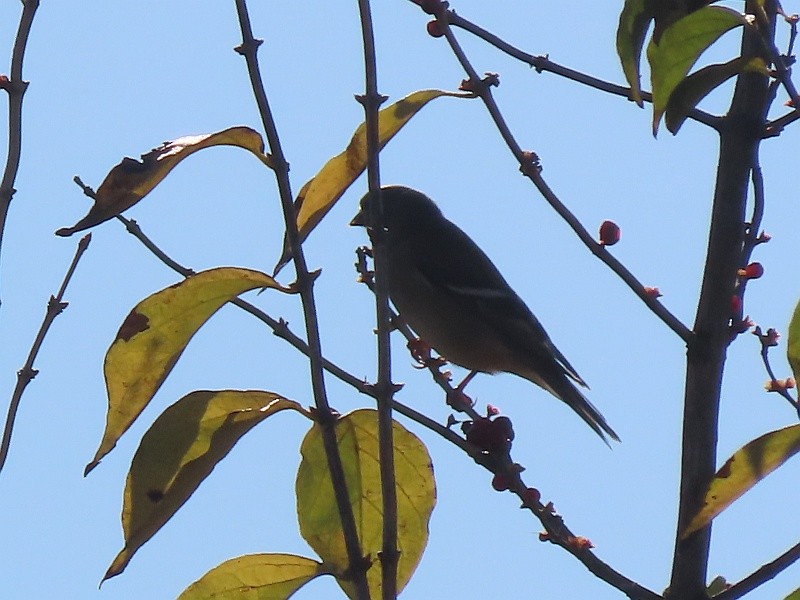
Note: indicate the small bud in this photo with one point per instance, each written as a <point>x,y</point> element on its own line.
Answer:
<point>492,411</point>
<point>780,385</point>
<point>434,29</point>
<point>530,498</point>
<point>763,237</point>
<point>500,483</point>
<point>609,233</point>
<point>544,536</point>
<point>579,542</point>
<point>752,271</point>
<point>653,292</point>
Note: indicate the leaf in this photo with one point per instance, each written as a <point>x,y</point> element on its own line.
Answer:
<point>255,577</point>
<point>690,91</point>
<point>795,595</point>
<point>748,465</point>
<point>131,180</point>
<point>634,21</point>
<point>793,343</point>
<point>154,335</point>
<point>179,451</point>
<point>317,512</point>
<point>680,46</point>
<point>322,191</point>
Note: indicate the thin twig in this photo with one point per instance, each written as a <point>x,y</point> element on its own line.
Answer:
<point>544,64</point>
<point>358,564</point>
<point>433,365</point>
<point>761,575</point>
<point>530,167</point>
<point>371,101</point>
<point>783,72</point>
<point>15,87</point>
<point>55,306</point>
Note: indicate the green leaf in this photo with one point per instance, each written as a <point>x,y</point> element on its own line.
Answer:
<point>317,512</point>
<point>680,46</point>
<point>255,577</point>
<point>795,595</point>
<point>691,90</point>
<point>634,21</point>
<point>748,465</point>
<point>154,335</point>
<point>179,451</point>
<point>793,343</point>
<point>321,192</point>
<point>131,180</point>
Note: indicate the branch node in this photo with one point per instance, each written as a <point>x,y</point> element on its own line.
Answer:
<point>248,47</point>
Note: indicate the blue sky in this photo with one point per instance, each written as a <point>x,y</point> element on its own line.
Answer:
<point>112,79</point>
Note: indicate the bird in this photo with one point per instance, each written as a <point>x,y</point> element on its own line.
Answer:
<point>457,301</point>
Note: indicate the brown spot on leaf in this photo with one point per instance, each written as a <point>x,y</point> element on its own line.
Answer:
<point>155,495</point>
<point>725,471</point>
<point>134,323</point>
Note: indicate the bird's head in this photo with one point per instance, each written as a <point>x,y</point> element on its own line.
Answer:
<point>403,209</point>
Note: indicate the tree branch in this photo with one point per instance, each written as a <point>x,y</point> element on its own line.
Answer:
<point>25,375</point>
<point>529,165</point>
<point>371,101</point>
<point>739,140</point>
<point>358,564</point>
<point>761,575</point>
<point>15,87</point>
<point>544,64</point>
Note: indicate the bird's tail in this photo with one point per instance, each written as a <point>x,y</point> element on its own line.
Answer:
<point>572,396</point>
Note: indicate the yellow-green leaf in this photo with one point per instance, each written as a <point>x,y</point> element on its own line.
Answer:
<point>153,336</point>
<point>748,465</point>
<point>321,192</point>
<point>131,180</point>
<point>179,451</point>
<point>691,90</point>
<point>795,595</point>
<point>680,46</point>
<point>634,21</point>
<point>793,343</point>
<point>255,577</point>
<point>317,512</point>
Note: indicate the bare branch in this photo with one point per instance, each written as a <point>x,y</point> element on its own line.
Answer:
<point>530,167</point>
<point>761,575</point>
<point>15,86</point>
<point>358,564</point>
<point>371,101</point>
<point>544,64</point>
<point>55,307</point>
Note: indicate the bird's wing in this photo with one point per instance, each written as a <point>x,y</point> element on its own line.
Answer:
<point>474,281</point>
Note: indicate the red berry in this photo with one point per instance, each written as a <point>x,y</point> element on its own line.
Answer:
<point>752,271</point>
<point>434,29</point>
<point>609,233</point>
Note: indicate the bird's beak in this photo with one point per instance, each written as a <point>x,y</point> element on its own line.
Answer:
<point>360,220</point>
